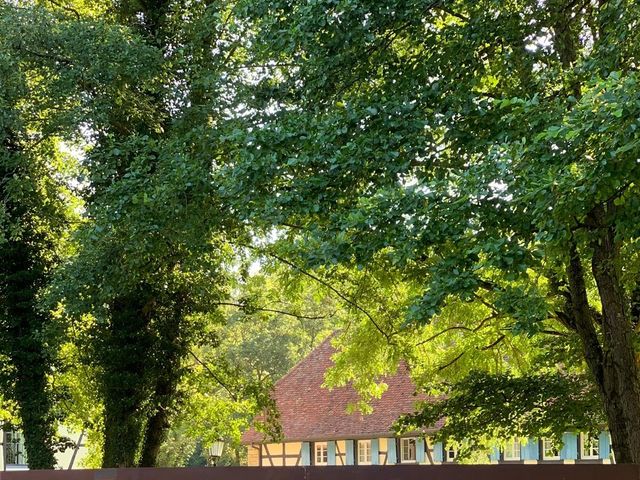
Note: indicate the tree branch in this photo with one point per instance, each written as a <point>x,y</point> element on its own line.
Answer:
<point>581,315</point>
<point>486,304</point>
<point>554,332</point>
<point>458,327</point>
<point>271,310</point>
<point>224,385</point>
<point>64,61</point>
<point>346,299</point>
<point>494,343</point>
<point>452,13</point>
<point>66,7</point>
<point>454,360</point>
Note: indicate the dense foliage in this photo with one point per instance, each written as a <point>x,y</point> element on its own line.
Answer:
<point>484,152</point>
<point>37,207</point>
<point>134,315</point>
<point>483,408</point>
<point>453,183</point>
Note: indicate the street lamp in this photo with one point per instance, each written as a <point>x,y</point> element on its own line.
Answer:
<point>215,452</point>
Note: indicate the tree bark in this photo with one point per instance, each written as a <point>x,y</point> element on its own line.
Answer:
<point>125,353</point>
<point>612,359</point>
<point>619,359</point>
<point>33,396</point>
<point>606,378</point>
<point>23,271</point>
<point>171,350</point>
<point>156,431</point>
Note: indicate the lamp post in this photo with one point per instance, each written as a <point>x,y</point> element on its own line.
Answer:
<point>215,452</point>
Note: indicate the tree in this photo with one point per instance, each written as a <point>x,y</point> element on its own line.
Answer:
<point>152,250</point>
<point>274,319</point>
<point>35,214</point>
<point>487,152</point>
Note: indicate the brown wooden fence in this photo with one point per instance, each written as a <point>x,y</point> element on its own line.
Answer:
<point>396,472</point>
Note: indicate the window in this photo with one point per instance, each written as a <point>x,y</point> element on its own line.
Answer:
<point>407,450</point>
<point>589,447</point>
<point>364,452</point>
<point>550,450</point>
<point>450,454</point>
<point>512,450</point>
<point>14,448</point>
<point>320,456</point>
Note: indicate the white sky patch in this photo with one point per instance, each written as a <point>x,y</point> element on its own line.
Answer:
<point>259,241</point>
<point>335,17</point>
<point>73,151</point>
<point>255,267</point>
<point>541,41</point>
<point>499,188</point>
<point>78,154</point>
<point>409,181</point>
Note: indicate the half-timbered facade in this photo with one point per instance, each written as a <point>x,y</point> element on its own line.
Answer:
<point>318,430</point>
<point>13,454</point>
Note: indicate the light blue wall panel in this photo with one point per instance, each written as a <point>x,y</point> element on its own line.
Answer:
<point>531,449</point>
<point>420,450</point>
<point>605,445</point>
<point>305,454</point>
<point>375,452</point>
<point>392,458</point>
<point>495,454</point>
<point>331,453</point>
<point>438,455</point>
<point>569,446</point>
<point>350,452</point>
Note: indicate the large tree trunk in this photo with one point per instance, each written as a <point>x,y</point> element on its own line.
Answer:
<point>125,354</point>
<point>25,325</point>
<point>33,396</point>
<point>605,377</point>
<point>619,359</point>
<point>122,436</point>
<point>171,349</point>
<point>23,272</point>
<point>156,431</point>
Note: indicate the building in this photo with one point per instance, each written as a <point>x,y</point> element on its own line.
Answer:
<point>317,429</point>
<point>13,454</point>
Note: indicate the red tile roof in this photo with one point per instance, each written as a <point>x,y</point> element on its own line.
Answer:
<point>309,412</point>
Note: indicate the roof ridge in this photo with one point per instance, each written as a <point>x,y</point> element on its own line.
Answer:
<point>306,357</point>
<point>310,412</point>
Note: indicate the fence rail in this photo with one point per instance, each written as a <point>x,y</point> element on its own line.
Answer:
<point>396,472</point>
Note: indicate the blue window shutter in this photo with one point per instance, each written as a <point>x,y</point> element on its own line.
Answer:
<point>438,455</point>
<point>392,458</point>
<point>530,450</point>
<point>350,453</point>
<point>331,453</point>
<point>604,445</point>
<point>420,450</point>
<point>495,454</point>
<point>375,452</point>
<point>569,446</point>
<point>305,454</point>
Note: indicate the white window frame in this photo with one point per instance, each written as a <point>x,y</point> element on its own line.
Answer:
<point>548,445</point>
<point>320,448</point>
<point>404,447</point>
<point>17,441</point>
<point>583,443</point>
<point>364,447</point>
<point>450,454</point>
<point>512,451</point>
